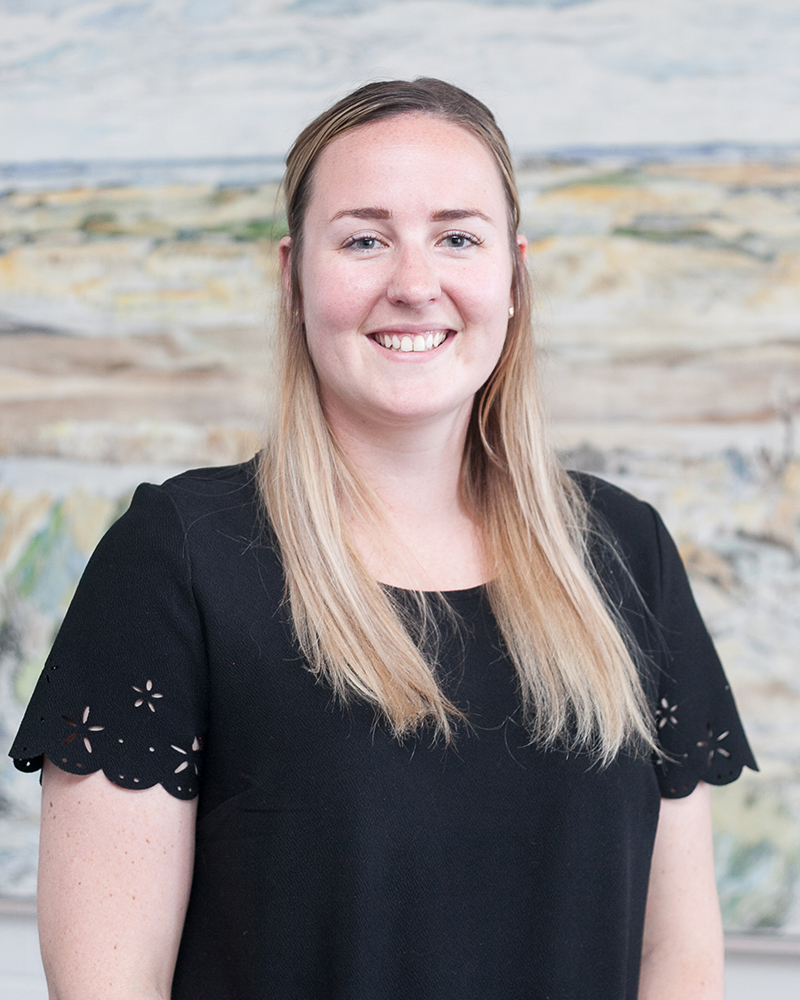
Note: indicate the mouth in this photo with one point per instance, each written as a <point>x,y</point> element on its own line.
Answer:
<point>407,343</point>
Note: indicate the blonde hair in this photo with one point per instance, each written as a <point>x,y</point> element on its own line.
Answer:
<point>578,681</point>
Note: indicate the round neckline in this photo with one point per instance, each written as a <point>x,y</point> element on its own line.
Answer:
<point>479,588</point>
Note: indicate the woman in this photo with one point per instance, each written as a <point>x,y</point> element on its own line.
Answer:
<point>438,687</point>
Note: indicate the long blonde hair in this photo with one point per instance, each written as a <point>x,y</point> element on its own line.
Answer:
<point>578,681</point>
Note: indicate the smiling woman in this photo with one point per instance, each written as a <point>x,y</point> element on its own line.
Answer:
<point>451,711</point>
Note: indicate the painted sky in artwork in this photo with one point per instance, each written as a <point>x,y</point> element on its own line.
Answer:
<point>197,78</point>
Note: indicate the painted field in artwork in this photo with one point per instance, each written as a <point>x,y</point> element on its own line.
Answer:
<point>135,341</point>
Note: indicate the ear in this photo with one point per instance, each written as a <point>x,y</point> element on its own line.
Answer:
<point>522,248</point>
<point>285,256</point>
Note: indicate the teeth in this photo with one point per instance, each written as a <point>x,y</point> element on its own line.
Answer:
<point>406,343</point>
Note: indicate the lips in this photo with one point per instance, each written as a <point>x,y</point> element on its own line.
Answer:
<point>411,342</point>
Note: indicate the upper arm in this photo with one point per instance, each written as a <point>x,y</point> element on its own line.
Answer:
<point>682,953</point>
<point>115,871</point>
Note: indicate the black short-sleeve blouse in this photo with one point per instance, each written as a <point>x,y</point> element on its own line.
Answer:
<point>334,862</point>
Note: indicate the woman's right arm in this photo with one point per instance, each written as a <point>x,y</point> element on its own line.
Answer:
<point>115,871</point>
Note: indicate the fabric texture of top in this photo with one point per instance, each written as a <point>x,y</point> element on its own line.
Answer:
<point>334,862</point>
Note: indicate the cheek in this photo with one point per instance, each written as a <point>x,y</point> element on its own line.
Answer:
<point>486,312</point>
<point>484,291</point>
<point>334,298</point>
<point>484,304</point>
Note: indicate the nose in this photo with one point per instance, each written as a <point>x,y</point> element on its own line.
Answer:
<point>414,281</point>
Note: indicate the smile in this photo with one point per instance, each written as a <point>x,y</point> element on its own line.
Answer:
<point>405,342</point>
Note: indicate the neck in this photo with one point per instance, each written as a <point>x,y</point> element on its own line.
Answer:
<point>412,468</point>
<point>430,541</point>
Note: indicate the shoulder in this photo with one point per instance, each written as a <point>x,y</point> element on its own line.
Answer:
<point>207,490</point>
<point>189,514</point>
<point>634,524</point>
<point>627,529</point>
<point>615,505</point>
<point>198,499</point>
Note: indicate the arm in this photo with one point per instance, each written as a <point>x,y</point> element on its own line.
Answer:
<point>682,952</point>
<point>115,869</point>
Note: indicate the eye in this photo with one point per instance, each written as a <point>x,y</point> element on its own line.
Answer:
<point>458,240</point>
<point>364,243</point>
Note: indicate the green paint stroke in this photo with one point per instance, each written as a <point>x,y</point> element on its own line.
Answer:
<point>757,855</point>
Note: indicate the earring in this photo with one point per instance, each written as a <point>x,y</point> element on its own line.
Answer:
<point>510,311</point>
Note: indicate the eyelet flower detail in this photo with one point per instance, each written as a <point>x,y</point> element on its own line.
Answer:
<point>78,725</point>
<point>147,693</point>
<point>665,713</point>
<point>712,744</point>
<point>192,757</point>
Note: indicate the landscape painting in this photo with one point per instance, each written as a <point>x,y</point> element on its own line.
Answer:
<point>660,186</point>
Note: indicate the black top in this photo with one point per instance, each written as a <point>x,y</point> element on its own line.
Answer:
<point>334,862</point>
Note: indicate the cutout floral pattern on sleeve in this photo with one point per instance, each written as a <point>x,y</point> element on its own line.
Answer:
<point>134,751</point>
<point>665,714</point>
<point>712,745</point>
<point>698,751</point>
<point>82,726</point>
<point>146,696</point>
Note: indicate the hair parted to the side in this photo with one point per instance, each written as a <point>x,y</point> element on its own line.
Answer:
<point>579,684</point>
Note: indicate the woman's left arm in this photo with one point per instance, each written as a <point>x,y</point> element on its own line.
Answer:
<point>683,951</point>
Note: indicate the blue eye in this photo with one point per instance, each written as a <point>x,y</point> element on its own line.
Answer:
<point>457,241</point>
<point>364,243</point>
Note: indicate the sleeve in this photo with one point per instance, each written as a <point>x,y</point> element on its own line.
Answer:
<point>700,735</point>
<point>125,685</point>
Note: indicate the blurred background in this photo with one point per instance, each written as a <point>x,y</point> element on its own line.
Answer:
<point>658,149</point>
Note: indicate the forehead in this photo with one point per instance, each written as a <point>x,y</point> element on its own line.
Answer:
<point>415,158</point>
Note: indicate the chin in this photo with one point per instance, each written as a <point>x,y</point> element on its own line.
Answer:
<point>418,410</point>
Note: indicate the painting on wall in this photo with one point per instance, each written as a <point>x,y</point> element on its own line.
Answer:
<point>661,196</point>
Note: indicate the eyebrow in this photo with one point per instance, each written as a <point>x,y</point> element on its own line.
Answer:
<point>454,214</point>
<point>363,213</point>
<point>446,215</point>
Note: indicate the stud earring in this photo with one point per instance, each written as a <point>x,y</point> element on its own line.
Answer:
<point>510,311</point>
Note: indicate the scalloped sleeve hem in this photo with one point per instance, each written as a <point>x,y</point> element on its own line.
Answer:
<point>677,785</point>
<point>181,782</point>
